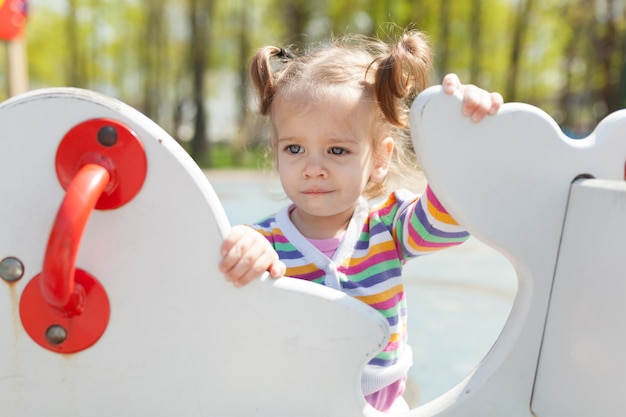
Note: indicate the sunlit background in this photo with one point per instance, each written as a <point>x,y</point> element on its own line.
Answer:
<point>183,62</point>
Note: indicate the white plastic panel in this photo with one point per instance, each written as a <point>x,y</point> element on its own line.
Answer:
<point>507,180</point>
<point>582,365</point>
<point>181,341</point>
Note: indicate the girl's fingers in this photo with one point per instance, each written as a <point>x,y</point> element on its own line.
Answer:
<point>451,83</point>
<point>496,103</point>
<point>247,272</point>
<point>471,100</point>
<point>246,255</point>
<point>477,103</point>
<point>241,259</point>
<point>277,269</point>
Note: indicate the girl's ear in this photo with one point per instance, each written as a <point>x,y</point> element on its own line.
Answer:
<point>382,158</point>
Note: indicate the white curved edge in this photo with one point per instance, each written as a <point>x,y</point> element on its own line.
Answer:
<point>379,324</point>
<point>597,135</point>
<point>380,331</point>
<point>320,291</point>
<point>595,143</point>
<point>434,92</point>
<point>611,126</point>
<point>463,395</point>
<point>507,112</point>
<point>477,394</point>
<point>154,129</point>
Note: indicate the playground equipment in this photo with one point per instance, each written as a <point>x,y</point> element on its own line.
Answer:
<point>111,302</point>
<point>554,207</point>
<point>12,18</point>
<point>126,313</point>
<point>12,25</point>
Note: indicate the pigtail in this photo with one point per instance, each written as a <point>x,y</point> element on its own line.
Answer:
<point>262,74</point>
<point>402,73</point>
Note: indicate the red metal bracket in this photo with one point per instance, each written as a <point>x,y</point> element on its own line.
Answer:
<point>101,164</point>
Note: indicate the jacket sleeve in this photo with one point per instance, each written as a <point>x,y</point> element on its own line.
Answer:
<point>421,225</point>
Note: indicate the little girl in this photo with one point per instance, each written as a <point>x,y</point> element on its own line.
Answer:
<point>339,133</point>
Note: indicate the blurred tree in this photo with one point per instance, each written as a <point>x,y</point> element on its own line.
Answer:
<point>200,13</point>
<point>520,27</point>
<point>349,16</point>
<point>168,57</point>
<point>153,56</point>
<point>76,70</point>
<point>475,41</point>
<point>593,63</point>
<point>380,13</point>
<point>242,52</point>
<point>296,17</point>
<point>444,41</point>
<point>609,45</point>
<point>571,93</point>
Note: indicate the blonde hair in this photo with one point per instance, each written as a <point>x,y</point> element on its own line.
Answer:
<point>390,75</point>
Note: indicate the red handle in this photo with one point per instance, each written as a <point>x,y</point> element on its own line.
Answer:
<point>101,164</point>
<point>59,265</point>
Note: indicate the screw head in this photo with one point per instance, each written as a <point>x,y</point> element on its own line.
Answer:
<point>11,269</point>
<point>107,136</point>
<point>56,334</point>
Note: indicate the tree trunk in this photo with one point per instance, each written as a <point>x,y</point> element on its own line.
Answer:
<point>153,47</point>
<point>475,41</point>
<point>200,14</point>
<point>76,68</point>
<point>297,15</point>
<point>243,43</point>
<point>525,7</point>
<point>443,49</point>
<point>567,99</point>
<point>609,47</point>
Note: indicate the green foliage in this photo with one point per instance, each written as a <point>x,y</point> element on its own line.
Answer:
<point>122,49</point>
<point>227,155</point>
<point>47,47</point>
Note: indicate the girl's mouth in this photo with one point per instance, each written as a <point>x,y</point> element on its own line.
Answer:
<point>315,191</point>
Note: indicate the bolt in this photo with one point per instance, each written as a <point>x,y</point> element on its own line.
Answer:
<point>11,269</point>
<point>56,334</point>
<point>107,136</point>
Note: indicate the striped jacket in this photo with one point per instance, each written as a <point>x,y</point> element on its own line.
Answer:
<point>368,264</point>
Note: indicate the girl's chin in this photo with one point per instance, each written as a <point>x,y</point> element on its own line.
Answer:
<point>323,211</point>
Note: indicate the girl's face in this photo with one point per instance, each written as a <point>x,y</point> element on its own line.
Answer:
<point>325,158</point>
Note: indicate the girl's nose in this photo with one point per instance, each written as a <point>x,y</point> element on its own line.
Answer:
<point>314,168</point>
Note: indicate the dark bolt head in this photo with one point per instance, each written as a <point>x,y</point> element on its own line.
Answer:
<point>11,269</point>
<point>107,136</point>
<point>56,334</point>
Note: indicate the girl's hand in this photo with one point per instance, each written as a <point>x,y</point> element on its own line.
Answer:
<point>246,255</point>
<point>477,103</point>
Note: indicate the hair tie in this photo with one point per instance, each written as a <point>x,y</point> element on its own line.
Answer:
<point>284,53</point>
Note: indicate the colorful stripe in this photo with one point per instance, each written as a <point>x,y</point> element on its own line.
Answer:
<point>400,228</point>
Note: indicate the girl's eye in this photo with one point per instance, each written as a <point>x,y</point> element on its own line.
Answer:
<point>336,150</point>
<point>294,149</point>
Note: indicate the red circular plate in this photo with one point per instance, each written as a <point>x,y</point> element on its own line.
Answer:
<point>119,150</point>
<point>82,328</point>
